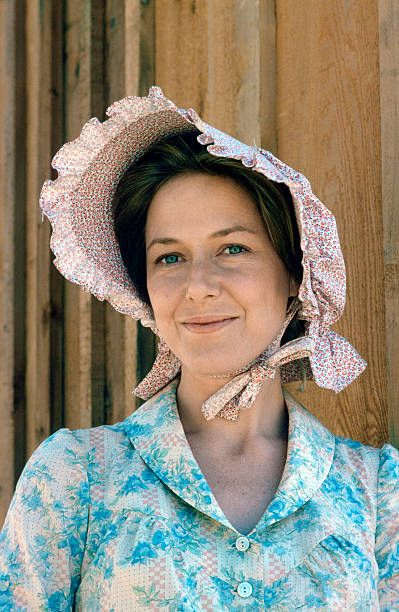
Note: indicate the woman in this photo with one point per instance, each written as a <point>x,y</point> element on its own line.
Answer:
<point>221,491</point>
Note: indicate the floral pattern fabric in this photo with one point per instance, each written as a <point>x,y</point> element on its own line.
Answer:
<point>120,518</point>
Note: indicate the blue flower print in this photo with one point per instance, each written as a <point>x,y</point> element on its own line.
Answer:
<point>142,553</point>
<point>121,517</point>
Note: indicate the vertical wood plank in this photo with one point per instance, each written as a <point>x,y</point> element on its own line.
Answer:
<point>7,229</point>
<point>78,321</point>
<point>146,341</point>
<point>238,55</point>
<point>122,49</point>
<point>19,282</point>
<point>224,63</point>
<point>145,36</point>
<point>38,146</point>
<point>139,77</point>
<point>267,74</point>
<point>328,124</point>
<point>389,95</point>
<point>56,279</point>
<point>95,59</point>
<point>181,70</point>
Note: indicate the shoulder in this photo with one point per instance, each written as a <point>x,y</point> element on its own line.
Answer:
<point>376,470</point>
<point>387,527</point>
<point>62,445</point>
<point>54,476</point>
<point>63,449</point>
<point>357,456</point>
<point>59,468</point>
<point>388,490</point>
<point>389,467</point>
<point>361,472</point>
<point>381,460</point>
<point>70,447</point>
<point>379,466</point>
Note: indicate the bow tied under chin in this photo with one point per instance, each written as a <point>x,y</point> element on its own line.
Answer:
<point>240,392</point>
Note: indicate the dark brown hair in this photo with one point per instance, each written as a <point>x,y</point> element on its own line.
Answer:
<point>184,154</point>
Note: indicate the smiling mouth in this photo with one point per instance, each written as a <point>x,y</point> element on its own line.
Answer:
<point>203,328</point>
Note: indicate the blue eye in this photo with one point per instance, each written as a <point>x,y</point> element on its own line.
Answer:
<point>236,249</point>
<point>168,259</point>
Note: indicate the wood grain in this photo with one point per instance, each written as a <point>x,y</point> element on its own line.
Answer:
<point>8,155</point>
<point>38,147</point>
<point>328,125</point>
<point>389,96</point>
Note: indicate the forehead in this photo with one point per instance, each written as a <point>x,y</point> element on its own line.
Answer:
<point>201,202</point>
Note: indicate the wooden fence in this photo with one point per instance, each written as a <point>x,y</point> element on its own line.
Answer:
<point>315,82</point>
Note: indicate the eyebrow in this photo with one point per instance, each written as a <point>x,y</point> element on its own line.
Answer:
<point>218,234</point>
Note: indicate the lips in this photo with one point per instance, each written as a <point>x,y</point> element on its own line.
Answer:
<point>208,324</point>
<point>208,319</point>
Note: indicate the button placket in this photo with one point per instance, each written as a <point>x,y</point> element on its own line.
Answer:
<point>244,588</point>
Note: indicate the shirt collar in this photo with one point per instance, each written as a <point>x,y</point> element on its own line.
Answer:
<point>156,431</point>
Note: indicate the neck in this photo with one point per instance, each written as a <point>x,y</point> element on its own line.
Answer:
<point>267,418</point>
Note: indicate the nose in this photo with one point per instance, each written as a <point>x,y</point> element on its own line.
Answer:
<point>202,281</point>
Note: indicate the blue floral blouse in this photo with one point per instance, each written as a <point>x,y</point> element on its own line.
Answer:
<point>120,518</point>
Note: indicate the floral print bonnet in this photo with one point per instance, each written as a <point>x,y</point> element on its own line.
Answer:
<point>78,204</point>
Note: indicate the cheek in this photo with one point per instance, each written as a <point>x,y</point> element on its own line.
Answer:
<point>257,279</point>
<point>263,293</point>
<point>164,292</point>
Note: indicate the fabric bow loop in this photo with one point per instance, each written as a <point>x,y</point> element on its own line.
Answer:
<point>330,362</point>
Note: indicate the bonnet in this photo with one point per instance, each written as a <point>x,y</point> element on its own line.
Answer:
<point>78,204</point>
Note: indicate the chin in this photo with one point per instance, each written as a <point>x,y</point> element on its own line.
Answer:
<point>208,360</point>
<point>214,367</point>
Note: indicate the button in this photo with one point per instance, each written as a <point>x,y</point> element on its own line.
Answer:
<point>244,589</point>
<point>242,543</point>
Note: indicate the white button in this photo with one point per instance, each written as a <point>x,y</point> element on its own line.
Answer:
<point>242,543</point>
<point>244,589</point>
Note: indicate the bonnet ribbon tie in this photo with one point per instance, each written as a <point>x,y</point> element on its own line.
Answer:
<point>241,391</point>
<point>244,390</point>
<point>332,371</point>
<point>164,369</point>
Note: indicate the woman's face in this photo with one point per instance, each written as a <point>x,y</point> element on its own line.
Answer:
<point>217,288</point>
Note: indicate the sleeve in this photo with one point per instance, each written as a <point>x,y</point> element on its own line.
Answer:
<point>387,528</point>
<point>43,537</point>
